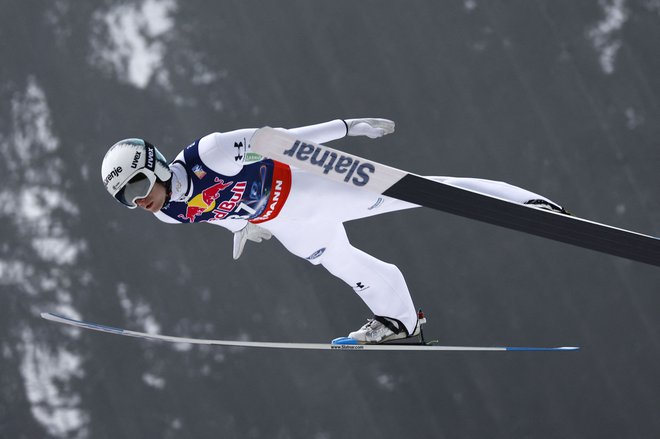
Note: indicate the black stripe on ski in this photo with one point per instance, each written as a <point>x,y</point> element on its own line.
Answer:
<point>555,226</point>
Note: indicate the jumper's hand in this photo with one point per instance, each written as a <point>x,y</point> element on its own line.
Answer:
<point>371,128</point>
<point>251,232</point>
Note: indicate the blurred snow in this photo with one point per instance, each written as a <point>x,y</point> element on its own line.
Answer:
<point>134,49</point>
<point>30,137</point>
<point>44,374</point>
<point>35,207</point>
<point>36,211</point>
<point>32,125</point>
<point>470,5</point>
<point>14,272</point>
<point>137,311</point>
<point>386,382</point>
<point>604,35</point>
<point>152,380</point>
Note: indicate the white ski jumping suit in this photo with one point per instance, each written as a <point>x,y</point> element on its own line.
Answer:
<point>214,180</point>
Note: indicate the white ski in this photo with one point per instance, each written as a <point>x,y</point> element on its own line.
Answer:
<point>361,173</point>
<point>316,346</point>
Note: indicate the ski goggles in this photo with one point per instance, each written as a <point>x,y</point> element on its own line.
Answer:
<point>137,187</point>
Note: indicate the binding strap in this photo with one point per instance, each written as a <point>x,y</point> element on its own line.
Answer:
<point>393,325</point>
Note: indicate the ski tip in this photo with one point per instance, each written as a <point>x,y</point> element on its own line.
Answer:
<point>561,348</point>
<point>54,317</point>
<point>344,341</point>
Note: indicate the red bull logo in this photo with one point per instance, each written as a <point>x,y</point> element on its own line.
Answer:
<point>226,207</point>
<point>205,201</point>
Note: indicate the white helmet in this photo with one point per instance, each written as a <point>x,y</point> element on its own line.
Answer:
<point>130,169</point>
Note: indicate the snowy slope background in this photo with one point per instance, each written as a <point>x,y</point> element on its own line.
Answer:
<point>559,97</point>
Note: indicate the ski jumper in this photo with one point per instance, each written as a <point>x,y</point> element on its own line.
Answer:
<point>214,181</point>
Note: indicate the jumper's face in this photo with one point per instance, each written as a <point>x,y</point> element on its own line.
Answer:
<point>154,200</point>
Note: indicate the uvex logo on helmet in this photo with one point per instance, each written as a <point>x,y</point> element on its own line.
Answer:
<point>113,174</point>
<point>136,159</point>
<point>150,162</point>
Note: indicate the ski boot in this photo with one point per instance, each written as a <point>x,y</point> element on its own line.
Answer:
<point>383,330</point>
